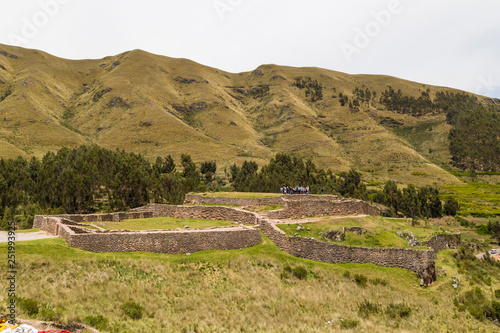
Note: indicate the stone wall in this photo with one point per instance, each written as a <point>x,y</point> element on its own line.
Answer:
<point>172,242</point>
<point>111,217</point>
<point>421,262</point>
<point>160,241</point>
<point>303,208</point>
<point>444,241</point>
<point>200,212</point>
<point>199,199</point>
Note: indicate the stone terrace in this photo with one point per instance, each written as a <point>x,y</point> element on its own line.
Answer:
<point>421,262</point>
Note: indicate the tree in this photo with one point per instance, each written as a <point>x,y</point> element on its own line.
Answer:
<point>494,229</point>
<point>451,206</point>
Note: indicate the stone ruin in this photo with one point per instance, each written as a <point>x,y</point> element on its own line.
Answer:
<point>240,235</point>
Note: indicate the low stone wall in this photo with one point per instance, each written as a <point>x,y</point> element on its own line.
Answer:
<point>444,241</point>
<point>200,212</point>
<point>172,242</point>
<point>421,262</point>
<point>200,199</point>
<point>111,217</point>
<point>303,208</point>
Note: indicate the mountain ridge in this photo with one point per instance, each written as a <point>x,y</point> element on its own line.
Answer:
<point>157,105</point>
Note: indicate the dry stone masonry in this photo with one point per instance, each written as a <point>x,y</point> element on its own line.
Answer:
<point>241,236</point>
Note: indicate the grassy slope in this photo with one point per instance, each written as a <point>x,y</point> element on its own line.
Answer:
<point>221,291</point>
<point>57,102</point>
<point>381,232</point>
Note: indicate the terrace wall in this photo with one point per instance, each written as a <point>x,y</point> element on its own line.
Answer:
<point>200,212</point>
<point>172,242</point>
<point>421,262</point>
<point>303,208</point>
<point>445,241</point>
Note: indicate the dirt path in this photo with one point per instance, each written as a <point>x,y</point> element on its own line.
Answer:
<point>25,236</point>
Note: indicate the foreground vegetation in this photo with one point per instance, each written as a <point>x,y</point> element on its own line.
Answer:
<point>255,289</point>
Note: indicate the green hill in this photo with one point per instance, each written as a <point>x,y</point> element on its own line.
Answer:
<point>155,105</point>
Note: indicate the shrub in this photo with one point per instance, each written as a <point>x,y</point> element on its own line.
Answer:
<point>29,306</point>
<point>49,314</point>
<point>99,322</point>
<point>496,306</point>
<point>451,206</point>
<point>132,310</point>
<point>360,279</point>
<point>398,310</point>
<point>366,308</point>
<point>497,293</point>
<point>482,229</point>
<point>347,274</point>
<point>378,281</point>
<point>348,323</point>
<point>300,272</point>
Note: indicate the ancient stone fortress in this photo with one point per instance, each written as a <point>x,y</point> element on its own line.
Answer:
<point>245,232</point>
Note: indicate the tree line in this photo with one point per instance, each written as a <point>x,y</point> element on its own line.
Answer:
<point>92,179</point>
<point>285,170</point>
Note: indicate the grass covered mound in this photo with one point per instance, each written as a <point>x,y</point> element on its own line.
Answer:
<point>259,289</point>
<point>162,223</point>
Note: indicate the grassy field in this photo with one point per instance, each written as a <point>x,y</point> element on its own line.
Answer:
<point>247,290</point>
<point>263,208</point>
<point>162,223</point>
<point>475,198</point>
<point>27,231</point>
<point>381,232</point>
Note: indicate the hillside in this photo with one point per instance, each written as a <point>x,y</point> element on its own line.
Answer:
<point>156,106</point>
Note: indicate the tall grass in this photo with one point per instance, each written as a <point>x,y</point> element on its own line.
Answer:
<point>223,291</point>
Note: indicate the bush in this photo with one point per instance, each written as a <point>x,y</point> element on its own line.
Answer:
<point>366,308</point>
<point>482,229</point>
<point>378,281</point>
<point>497,293</point>
<point>29,306</point>
<point>300,272</point>
<point>348,323</point>
<point>132,310</point>
<point>465,223</point>
<point>347,274</point>
<point>99,322</point>
<point>451,206</point>
<point>398,310</point>
<point>360,279</point>
<point>49,314</point>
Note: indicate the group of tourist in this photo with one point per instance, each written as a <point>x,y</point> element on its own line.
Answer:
<point>294,190</point>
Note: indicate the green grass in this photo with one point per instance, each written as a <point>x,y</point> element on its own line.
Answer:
<point>263,208</point>
<point>163,223</point>
<point>477,199</point>
<point>25,231</point>
<point>225,291</point>
<point>381,232</point>
<point>250,195</point>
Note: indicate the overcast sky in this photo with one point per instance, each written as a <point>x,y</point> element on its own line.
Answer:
<point>453,43</point>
